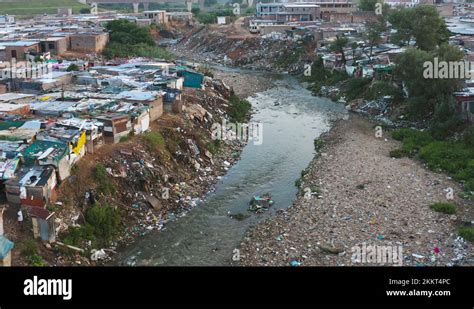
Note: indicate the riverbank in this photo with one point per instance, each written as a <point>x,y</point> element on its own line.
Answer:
<point>364,197</point>
<point>177,153</point>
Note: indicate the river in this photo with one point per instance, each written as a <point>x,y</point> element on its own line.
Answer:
<point>292,118</point>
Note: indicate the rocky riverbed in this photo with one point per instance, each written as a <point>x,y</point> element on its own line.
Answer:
<point>362,197</point>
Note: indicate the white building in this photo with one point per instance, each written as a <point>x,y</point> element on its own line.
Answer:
<point>7,19</point>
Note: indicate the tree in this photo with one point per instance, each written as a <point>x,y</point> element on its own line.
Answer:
<point>425,93</point>
<point>367,5</point>
<point>129,40</point>
<point>373,34</point>
<point>85,11</point>
<point>210,2</point>
<point>338,47</point>
<point>125,32</point>
<point>421,23</point>
<point>354,46</point>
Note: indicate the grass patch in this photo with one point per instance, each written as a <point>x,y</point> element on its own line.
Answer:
<point>154,140</point>
<point>467,232</point>
<point>455,157</point>
<point>27,7</point>
<point>413,140</point>
<point>445,208</point>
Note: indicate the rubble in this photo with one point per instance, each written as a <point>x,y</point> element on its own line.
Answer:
<point>390,209</point>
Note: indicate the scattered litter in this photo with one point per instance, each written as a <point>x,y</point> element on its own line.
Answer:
<point>295,263</point>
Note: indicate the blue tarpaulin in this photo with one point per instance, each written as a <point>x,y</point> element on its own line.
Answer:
<point>5,246</point>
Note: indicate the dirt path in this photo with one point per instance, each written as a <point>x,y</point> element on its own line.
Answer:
<point>365,197</point>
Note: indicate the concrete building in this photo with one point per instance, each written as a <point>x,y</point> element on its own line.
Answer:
<point>402,3</point>
<point>7,19</point>
<point>223,20</point>
<point>63,12</point>
<point>274,9</point>
<point>89,42</point>
<point>18,49</point>
<point>54,45</point>
<point>179,16</point>
<point>445,9</point>
<point>158,17</point>
<point>299,12</point>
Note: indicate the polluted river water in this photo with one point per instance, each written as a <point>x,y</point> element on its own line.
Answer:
<point>291,118</point>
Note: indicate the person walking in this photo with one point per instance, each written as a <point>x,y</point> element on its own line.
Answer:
<point>20,218</point>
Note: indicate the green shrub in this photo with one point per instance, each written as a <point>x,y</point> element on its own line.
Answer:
<point>74,236</point>
<point>30,247</point>
<point>239,109</point>
<point>400,134</point>
<point>104,221</point>
<point>398,153</point>
<point>105,185</point>
<point>446,120</point>
<point>382,88</point>
<point>468,137</point>
<point>154,140</point>
<point>35,260</point>
<point>72,67</point>
<point>356,87</point>
<point>467,232</point>
<point>101,224</point>
<point>318,144</point>
<point>320,76</point>
<point>206,18</point>
<point>469,185</point>
<point>418,106</point>
<point>30,251</point>
<point>446,208</point>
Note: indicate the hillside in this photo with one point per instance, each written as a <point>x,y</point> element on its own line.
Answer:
<point>28,7</point>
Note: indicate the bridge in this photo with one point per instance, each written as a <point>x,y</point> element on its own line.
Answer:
<point>136,3</point>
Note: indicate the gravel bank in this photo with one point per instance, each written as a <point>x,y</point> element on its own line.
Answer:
<point>365,197</point>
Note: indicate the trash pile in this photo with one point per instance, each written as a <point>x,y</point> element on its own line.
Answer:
<point>381,106</point>
<point>155,187</point>
<point>214,46</point>
<point>259,204</point>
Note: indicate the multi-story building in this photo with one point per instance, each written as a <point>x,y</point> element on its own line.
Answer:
<point>303,8</point>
